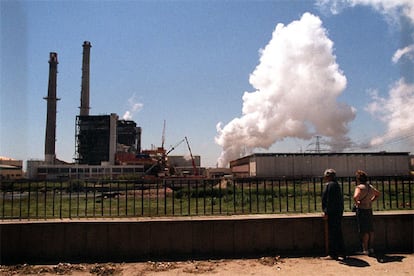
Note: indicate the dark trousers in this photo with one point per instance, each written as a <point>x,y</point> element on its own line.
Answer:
<point>335,236</point>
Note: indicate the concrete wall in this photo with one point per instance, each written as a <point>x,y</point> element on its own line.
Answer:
<point>189,237</point>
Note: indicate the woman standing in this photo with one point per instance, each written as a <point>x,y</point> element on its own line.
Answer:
<point>364,195</point>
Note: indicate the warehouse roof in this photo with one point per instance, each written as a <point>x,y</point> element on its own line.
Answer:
<point>245,159</point>
<point>330,153</point>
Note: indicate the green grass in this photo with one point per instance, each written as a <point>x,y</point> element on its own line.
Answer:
<point>45,200</point>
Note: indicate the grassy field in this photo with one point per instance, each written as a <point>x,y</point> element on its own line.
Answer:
<point>78,199</point>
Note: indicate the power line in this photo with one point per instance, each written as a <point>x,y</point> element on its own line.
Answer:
<point>388,139</point>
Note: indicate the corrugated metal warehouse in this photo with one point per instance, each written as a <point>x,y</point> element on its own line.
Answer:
<point>314,164</point>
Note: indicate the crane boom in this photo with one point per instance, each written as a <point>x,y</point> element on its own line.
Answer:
<point>173,148</point>
<point>192,158</point>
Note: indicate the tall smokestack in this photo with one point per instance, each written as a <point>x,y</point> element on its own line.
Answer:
<point>51,99</point>
<point>84,106</point>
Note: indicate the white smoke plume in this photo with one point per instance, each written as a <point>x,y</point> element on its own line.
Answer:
<point>297,84</point>
<point>395,111</point>
<point>133,108</point>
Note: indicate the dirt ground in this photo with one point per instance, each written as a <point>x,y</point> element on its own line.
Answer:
<point>390,264</point>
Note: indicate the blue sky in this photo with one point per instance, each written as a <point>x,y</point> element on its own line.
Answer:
<point>190,63</point>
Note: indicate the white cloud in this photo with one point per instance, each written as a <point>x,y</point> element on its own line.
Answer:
<point>297,84</point>
<point>392,9</point>
<point>406,51</point>
<point>395,111</point>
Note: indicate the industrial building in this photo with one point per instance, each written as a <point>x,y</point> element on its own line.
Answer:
<point>314,164</point>
<point>105,146</point>
<point>96,139</point>
<point>40,170</point>
<point>10,168</point>
<point>182,166</point>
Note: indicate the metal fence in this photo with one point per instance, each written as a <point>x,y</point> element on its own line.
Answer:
<point>184,197</point>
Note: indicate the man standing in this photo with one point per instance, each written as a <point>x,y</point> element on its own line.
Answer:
<point>333,208</point>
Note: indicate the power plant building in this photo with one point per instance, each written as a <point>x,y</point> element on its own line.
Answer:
<point>128,136</point>
<point>105,146</point>
<point>314,164</point>
<point>96,139</point>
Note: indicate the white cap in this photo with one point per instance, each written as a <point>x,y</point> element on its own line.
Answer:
<point>329,172</point>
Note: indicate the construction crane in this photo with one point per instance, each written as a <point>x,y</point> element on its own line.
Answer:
<point>164,156</point>
<point>195,172</point>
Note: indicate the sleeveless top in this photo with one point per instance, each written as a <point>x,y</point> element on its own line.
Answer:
<point>367,192</point>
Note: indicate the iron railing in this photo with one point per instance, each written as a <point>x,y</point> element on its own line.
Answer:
<point>27,199</point>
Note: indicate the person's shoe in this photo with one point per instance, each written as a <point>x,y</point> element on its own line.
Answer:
<point>364,252</point>
<point>343,257</point>
<point>332,258</point>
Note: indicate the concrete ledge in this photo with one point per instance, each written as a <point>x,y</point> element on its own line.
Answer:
<point>175,238</point>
